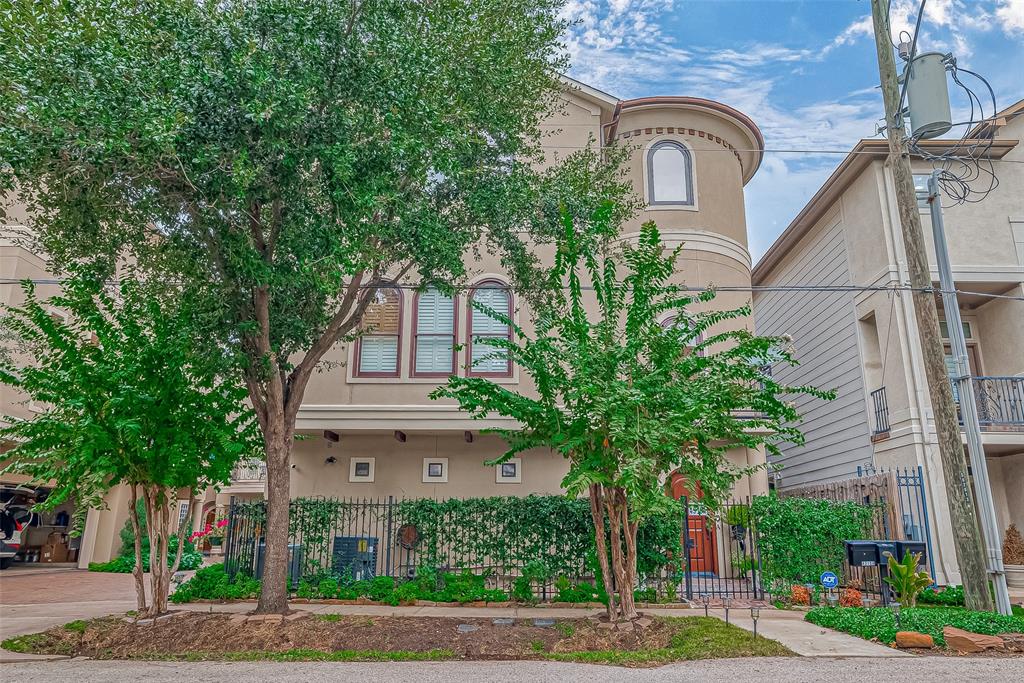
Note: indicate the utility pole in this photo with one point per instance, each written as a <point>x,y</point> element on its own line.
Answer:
<point>966,535</point>
<point>968,405</point>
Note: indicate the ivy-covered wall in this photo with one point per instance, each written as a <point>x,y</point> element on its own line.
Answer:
<point>499,536</point>
<point>799,538</point>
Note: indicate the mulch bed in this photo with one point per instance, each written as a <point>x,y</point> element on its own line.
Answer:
<point>196,632</point>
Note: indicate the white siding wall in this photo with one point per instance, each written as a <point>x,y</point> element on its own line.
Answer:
<point>824,331</point>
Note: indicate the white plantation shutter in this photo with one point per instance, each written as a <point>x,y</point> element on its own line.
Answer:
<point>498,300</point>
<point>378,354</point>
<point>379,347</point>
<point>435,332</point>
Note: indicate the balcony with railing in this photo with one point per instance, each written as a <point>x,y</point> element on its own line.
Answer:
<point>1000,402</point>
<point>880,405</point>
<point>248,476</point>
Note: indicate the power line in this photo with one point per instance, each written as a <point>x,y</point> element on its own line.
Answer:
<point>794,151</point>
<point>825,289</point>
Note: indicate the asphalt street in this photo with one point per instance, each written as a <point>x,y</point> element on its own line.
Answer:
<point>790,670</point>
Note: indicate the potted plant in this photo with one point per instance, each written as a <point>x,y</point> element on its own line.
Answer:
<point>1013,557</point>
<point>212,533</point>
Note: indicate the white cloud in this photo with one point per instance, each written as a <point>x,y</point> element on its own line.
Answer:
<point>1010,14</point>
<point>618,46</point>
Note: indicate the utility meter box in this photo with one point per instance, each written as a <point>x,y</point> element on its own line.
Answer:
<point>928,96</point>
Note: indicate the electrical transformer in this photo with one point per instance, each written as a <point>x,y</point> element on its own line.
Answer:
<point>928,96</point>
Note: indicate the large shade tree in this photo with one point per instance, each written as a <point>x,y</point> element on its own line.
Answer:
<point>636,378</point>
<point>126,396</point>
<point>281,159</point>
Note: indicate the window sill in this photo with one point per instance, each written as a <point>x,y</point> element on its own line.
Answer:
<point>671,207</point>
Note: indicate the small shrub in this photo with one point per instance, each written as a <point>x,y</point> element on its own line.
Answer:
<point>645,595</point>
<point>327,589</point>
<point>905,579</point>
<point>77,626</point>
<point>380,588</point>
<point>1013,546</point>
<point>850,597</point>
<point>950,596</point>
<point>212,583</point>
<point>583,592</point>
<point>799,595</point>
<point>880,622</point>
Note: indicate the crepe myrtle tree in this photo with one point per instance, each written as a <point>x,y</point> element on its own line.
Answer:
<point>127,396</point>
<point>280,160</point>
<point>627,399</point>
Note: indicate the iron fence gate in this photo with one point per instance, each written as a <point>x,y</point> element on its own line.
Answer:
<point>901,515</point>
<point>722,555</point>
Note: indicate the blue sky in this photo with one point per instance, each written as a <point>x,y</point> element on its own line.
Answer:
<point>805,71</point>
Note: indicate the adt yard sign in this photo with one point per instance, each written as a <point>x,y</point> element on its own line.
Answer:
<point>829,580</point>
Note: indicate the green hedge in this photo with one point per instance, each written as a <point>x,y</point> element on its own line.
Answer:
<point>125,563</point>
<point>880,622</point>
<point>802,537</point>
<point>212,583</point>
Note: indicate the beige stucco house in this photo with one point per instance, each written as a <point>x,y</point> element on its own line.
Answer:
<point>866,344</point>
<point>368,427</point>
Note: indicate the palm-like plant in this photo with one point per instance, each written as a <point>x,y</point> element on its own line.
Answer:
<point>905,579</point>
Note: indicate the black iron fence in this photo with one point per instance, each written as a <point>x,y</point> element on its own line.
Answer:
<point>547,537</point>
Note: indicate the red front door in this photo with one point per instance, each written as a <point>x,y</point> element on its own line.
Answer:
<point>703,547</point>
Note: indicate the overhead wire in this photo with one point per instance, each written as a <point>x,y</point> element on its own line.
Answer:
<point>419,286</point>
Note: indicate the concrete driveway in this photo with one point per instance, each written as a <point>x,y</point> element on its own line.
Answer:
<point>35,598</point>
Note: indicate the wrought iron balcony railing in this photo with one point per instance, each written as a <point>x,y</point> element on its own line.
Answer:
<point>881,407</point>
<point>1000,401</point>
<point>253,471</point>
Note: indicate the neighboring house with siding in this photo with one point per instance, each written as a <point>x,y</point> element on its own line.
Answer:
<point>368,425</point>
<point>865,344</point>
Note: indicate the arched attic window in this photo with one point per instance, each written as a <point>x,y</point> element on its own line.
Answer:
<point>669,174</point>
<point>675,321</point>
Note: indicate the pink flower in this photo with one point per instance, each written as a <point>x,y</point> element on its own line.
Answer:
<point>222,523</point>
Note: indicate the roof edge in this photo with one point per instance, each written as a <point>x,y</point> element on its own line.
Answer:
<point>862,154</point>
<point>743,121</point>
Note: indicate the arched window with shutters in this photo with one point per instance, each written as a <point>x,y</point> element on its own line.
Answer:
<point>433,353</point>
<point>483,359</point>
<point>378,349</point>
<point>669,174</point>
<point>675,321</point>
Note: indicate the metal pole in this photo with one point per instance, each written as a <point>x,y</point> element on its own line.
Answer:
<point>968,403</point>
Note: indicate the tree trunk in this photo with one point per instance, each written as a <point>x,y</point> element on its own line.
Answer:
<point>597,515</point>
<point>278,445</point>
<point>629,529</point>
<point>137,571</point>
<point>616,516</point>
